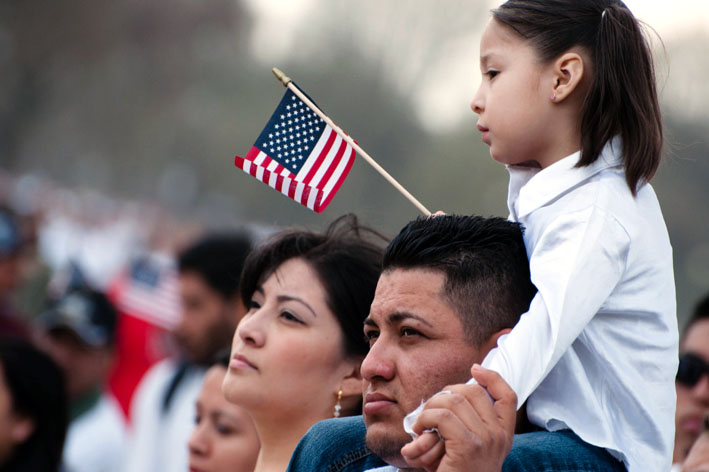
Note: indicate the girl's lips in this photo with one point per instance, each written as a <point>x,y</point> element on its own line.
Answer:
<point>239,362</point>
<point>485,134</point>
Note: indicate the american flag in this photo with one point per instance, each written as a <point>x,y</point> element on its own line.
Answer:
<point>299,155</point>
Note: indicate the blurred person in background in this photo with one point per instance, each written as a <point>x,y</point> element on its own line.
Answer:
<point>33,409</point>
<point>296,354</point>
<point>692,381</point>
<point>224,438</point>
<point>79,332</point>
<point>162,409</point>
<point>10,275</point>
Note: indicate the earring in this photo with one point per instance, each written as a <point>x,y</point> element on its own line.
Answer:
<point>553,96</point>
<point>338,407</point>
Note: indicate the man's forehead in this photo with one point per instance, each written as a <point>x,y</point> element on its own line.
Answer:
<point>416,291</point>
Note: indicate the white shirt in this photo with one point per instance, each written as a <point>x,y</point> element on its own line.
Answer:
<point>95,440</point>
<point>158,440</point>
<point>597,350</point>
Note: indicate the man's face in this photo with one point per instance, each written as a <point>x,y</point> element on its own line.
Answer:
<point>692,401</point>
<point>208,319</point>
<point>417,347</point>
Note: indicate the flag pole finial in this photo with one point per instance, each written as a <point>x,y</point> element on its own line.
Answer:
<point>285,80</point>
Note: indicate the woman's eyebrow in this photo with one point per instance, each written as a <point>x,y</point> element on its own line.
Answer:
<point>289,298</point>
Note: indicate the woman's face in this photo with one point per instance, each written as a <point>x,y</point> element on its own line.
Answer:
<point>287,356</point>
<point>224,438</point>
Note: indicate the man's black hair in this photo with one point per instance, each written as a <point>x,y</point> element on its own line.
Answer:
<point>218,259</point>
<point>701,313</point>
<point>484,261</point>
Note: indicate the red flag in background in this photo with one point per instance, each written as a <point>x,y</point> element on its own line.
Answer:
<point>299,155</point>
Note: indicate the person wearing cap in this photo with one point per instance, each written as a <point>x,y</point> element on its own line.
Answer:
<point>78,331</point>
<point>692,382</point>
<point>10,250</point>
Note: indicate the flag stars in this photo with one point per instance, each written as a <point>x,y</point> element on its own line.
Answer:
<point>287,107</point>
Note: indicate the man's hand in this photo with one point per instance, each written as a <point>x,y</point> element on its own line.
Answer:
<point>477,434</point>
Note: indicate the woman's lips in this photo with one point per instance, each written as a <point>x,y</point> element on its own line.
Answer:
<point>239,362</point>
<point>377,403</point>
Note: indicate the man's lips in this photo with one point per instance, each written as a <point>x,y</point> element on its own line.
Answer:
<point>240,362</point>
<point>376,403</point>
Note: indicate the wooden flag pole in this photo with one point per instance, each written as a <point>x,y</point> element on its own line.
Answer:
<point>287,82</point>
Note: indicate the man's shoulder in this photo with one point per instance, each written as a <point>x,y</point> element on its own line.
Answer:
<point>335,445</point>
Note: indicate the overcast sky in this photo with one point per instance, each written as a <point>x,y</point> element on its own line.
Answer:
<point>445,83</point>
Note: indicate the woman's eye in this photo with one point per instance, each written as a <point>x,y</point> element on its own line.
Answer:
<point>492,73</point>
<point>254,305</point>
<point>223,429</point>
<point>197,419</point>
<point>287,315</point>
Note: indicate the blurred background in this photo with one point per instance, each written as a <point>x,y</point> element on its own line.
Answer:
<point>119,121</point>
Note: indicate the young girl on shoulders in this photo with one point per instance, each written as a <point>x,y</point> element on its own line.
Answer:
<point>568,103</point>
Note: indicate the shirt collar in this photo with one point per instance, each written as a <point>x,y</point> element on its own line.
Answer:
<point>531,188</point>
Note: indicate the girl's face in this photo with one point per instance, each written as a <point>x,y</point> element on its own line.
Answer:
<point>287,356</point>
<point>514,98</point>
<point>224,438</point>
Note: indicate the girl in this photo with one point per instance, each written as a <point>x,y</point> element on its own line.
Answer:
<point>568,103</point>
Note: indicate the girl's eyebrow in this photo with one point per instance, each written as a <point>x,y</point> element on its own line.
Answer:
<point>289,298</point>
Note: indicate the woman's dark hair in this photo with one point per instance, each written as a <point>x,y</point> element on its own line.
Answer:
<point>36,386</point>
<point>347,258</point>
<point>622,99</point>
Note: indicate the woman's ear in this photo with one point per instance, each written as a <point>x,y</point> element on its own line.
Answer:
<point>351,386</point>
<point>21,429</point>
<point>568,72</point>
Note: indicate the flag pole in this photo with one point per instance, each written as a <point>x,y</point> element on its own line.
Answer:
<point>287,82</point>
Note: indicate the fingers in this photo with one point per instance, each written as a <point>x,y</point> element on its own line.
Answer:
<point>505,398</point>
<point>425,451</point>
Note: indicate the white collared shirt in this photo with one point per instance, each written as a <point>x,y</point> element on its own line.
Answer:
<point>597,350</point>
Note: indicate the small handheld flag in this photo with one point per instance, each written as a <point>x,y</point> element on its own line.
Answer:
<point>299,155</point>
<point>303,154</point>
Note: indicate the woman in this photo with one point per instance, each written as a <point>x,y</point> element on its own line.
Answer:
<point>224,438</point>
<point>33,409</point>
<point>296,354</point>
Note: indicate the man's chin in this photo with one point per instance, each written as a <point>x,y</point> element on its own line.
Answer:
<point>386,440</point>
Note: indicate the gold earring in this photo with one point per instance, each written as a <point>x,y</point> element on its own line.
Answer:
<point>338,406</point>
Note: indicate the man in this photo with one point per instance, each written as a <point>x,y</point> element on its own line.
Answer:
<point>79,333</point>
<point>692,382</point>
<point>164,403</point>
<point>450,287</point>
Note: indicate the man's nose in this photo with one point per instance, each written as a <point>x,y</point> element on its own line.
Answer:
<point>380,362</point>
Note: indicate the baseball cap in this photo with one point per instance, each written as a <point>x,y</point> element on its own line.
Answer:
<point>87,313</point>
<point>10,240</point>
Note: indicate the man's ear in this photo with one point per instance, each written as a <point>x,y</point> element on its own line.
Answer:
<point>568,71</point>
<point>491,341</point>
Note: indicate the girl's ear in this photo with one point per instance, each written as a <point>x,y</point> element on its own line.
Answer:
<point>21,429</point>
<point>568,71</point>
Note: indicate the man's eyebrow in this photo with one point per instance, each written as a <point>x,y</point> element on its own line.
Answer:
<point>369,322</point>
<point>398,317</point>
<point>290,298</point>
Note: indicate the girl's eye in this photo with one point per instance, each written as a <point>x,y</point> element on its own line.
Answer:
<point>287,315</point>
<point>197,419</point>
<point>492,73</point>
<point>222,429</point>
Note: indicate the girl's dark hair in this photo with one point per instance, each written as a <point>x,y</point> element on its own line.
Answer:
<point>36,386</point>
<point>622,99</point>
<point>347,258</point>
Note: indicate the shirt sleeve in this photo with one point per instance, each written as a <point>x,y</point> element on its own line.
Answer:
<point>575,264</point>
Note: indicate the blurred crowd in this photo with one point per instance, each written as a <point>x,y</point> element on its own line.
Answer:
<point>116,322</point>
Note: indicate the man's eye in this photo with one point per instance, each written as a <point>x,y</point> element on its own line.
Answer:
<point>492,73</point>
<point>371,336</point>
<point>408,332</point>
